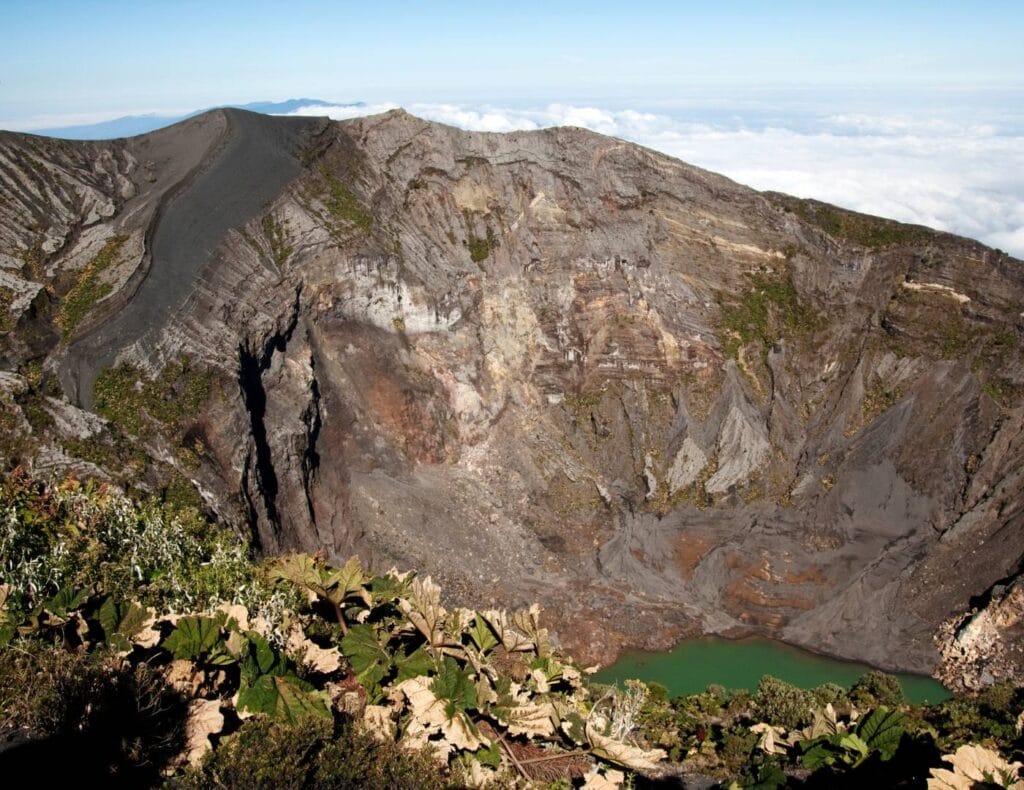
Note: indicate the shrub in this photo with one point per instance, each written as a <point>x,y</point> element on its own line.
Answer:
<point>781,704</point>
<point>313,753</point>
<point>877,688</point>
<point>86,714</point>
<point>831,694</point>
<point>990,717</point>
<point>73,536</point>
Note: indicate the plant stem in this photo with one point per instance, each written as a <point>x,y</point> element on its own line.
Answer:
<point>513,758</point>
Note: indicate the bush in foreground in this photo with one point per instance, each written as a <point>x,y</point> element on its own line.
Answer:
<point>143,645</point>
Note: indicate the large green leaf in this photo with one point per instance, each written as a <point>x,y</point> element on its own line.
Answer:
<point>66,601</point>
<point>121,621</point>
<point>346,581</point>
<point>854,749</point>
<point>482,635</point>
<point>418,662</point>
<point>370,661</point>
<point>454,687</point>
<point>285,697</point>
<point>260,659</point>
<point>385,589</point>
<point>882,730</point>
<point>193,636</point>
<point>818,753</point>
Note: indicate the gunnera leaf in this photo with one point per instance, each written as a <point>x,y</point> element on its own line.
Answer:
<point>454,687</point>
<point>882,730</point>
<point>259,659</point>
<point>418,662</point>
<point>622,753</point>
<point>482,635</point>
<point>121,621</point>
<point>370,661</point>
<point>193,636</point>
<point>66,601</point>
<point>284,697</point>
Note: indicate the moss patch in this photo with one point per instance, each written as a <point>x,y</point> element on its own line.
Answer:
<point>88,289</point>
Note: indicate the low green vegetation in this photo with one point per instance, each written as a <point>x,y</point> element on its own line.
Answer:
<point>110,451</point>
<point>343,204</point>
<point>769,310</point>
<point>125,395</point>
<point>312,752</point>
<point>955,336</point>
<point>878,398</point>
<point>277,237</point>
<point>168,406</point>
<point>996,355</point>
<point>150,645</point>
<point>875,233</point>
<point>6,300</point>
<point>480,249</point>
<point>88,288</point>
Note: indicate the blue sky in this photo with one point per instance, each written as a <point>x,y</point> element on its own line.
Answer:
<point>114,56</point>
<point>913,110</point>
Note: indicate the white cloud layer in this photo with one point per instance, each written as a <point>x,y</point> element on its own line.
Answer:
<point>960,175</point>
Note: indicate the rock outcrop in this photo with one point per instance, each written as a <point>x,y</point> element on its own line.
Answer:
<point>544,365</point>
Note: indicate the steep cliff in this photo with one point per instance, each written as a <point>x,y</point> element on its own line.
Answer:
<point>547,365</point>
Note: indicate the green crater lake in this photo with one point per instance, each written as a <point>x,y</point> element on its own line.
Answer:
<point>739,664</point>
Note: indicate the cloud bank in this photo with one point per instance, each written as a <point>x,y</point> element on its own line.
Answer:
<point>958,172</point>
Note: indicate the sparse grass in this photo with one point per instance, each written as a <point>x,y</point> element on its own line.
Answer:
<point>878,399</point>
<point>138,405</point>
<point>343,204</point>
<point>875,233</point>
<point>277,236</point>
<point>582,403</point>
<point>1001,390</point>
<point>33,260</point>
<point>88,289</point>
<point>112,454</point>
<point>33,406</point>
<point>180,495</point>
<point>770,310</point>
<point>6,319</point>
<point>124,395</point>
<point>479,249</point>
<point>693,494</point>
<point>956,337</point>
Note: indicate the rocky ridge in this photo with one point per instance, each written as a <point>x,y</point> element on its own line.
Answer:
<point>547,365</point>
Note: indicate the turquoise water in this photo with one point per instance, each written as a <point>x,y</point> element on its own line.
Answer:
<point>695,664</point>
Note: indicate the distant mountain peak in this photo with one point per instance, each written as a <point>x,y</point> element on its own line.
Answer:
<point>132,125</point>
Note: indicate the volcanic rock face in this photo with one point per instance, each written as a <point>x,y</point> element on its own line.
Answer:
<point>545,366</point>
